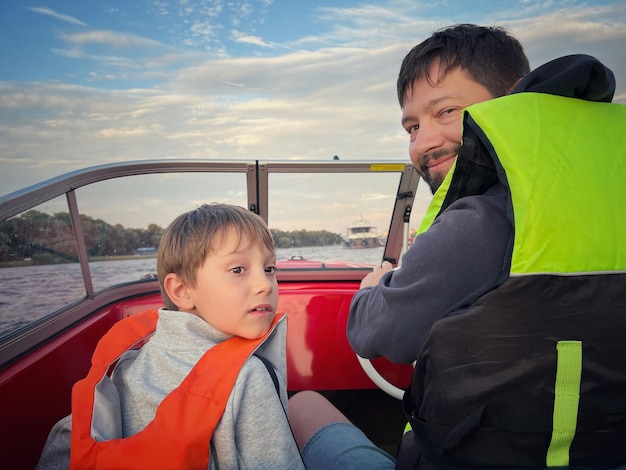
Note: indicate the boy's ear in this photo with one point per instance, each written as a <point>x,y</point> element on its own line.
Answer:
<point>177,292</point>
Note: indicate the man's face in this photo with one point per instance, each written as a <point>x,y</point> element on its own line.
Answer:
<point>432,116</point>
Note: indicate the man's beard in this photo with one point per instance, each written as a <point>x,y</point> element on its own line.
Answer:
<point>435,180</point>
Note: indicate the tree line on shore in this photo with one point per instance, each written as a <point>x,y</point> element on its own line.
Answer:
<point>44,238</point>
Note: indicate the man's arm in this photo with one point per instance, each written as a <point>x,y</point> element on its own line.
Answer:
<point>464,254</point>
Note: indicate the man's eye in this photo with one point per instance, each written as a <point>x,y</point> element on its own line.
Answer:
<point>237,270</point>
<point>270,269</point>
<point>450,113</point>
<point>413,129</point>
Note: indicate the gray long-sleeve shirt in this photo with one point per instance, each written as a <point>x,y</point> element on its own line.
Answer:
<point>460,257</point>
<point>253,432</point>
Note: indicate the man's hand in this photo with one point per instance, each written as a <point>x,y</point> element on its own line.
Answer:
<point>372,278</point>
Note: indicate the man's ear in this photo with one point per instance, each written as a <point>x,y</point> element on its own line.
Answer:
<point>178,292</point>
<point>512,87</point>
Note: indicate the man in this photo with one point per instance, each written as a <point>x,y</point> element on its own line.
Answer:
<point>439,78</point>
<point>500,297</point>
<point>454,68</point>
<point>497,299</point>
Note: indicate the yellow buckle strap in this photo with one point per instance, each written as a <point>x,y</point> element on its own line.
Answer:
<point>566,399</point>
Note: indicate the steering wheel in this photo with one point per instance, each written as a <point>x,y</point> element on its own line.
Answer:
<point>366,364</point>
<point>379,380</point>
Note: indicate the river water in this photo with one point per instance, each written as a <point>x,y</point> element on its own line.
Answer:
<point>28,293</point>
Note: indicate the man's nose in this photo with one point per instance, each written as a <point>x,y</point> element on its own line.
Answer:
<point>426,139</point>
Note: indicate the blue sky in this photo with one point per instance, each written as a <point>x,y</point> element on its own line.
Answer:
<point>85,82</point>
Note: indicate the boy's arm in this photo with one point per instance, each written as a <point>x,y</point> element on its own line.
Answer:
<point>262,433</point>
<point>56,451</point>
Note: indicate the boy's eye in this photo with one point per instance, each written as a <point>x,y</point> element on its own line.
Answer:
<point>237,270</point>
<point>270,269</point>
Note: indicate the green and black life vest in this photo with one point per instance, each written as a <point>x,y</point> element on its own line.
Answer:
<point>533,374</point>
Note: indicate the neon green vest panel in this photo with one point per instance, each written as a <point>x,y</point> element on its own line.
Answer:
<point>568,181</point>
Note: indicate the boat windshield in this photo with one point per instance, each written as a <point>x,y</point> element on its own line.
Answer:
<point>102,226</point>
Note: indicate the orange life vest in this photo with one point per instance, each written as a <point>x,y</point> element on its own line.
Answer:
<point>178,437</point>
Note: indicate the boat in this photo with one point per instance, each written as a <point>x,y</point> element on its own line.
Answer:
<point>58,246</point>
<point>362,235</point>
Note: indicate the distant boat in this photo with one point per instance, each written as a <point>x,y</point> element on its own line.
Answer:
<point>146,250</point>
<point>362,235</point>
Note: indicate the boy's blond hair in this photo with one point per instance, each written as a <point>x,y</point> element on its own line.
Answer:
<point>189,239</point>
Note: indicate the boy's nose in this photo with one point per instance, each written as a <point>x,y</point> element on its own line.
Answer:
<point>264,282</point>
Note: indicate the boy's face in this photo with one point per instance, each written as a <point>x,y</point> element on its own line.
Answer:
<point>236,289</point>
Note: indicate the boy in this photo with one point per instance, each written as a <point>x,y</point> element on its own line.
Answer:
<point>217,276</point>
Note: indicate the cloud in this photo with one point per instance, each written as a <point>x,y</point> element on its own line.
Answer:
<point>599,31</point>
<point>127,132</point>
<point>111,38</point>
<point>242,38</point>
<point>58,16</point>
<point>130,57</point>
<point>111,60</point>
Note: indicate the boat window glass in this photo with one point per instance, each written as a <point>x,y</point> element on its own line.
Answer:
<point>122,235</point>
<point>39,269</point>
<point>313,213</point>
<point>423,196</point>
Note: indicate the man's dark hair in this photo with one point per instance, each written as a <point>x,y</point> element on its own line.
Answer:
<point>490,55</point>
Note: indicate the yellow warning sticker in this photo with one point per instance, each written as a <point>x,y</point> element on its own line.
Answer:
<point>387,167</point>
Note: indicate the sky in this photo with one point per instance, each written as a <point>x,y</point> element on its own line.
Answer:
<point>89,82</point>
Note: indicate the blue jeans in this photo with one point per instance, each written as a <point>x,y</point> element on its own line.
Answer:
<point>344,446</point>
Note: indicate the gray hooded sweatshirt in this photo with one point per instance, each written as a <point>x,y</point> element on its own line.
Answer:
<point>254,431</point>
